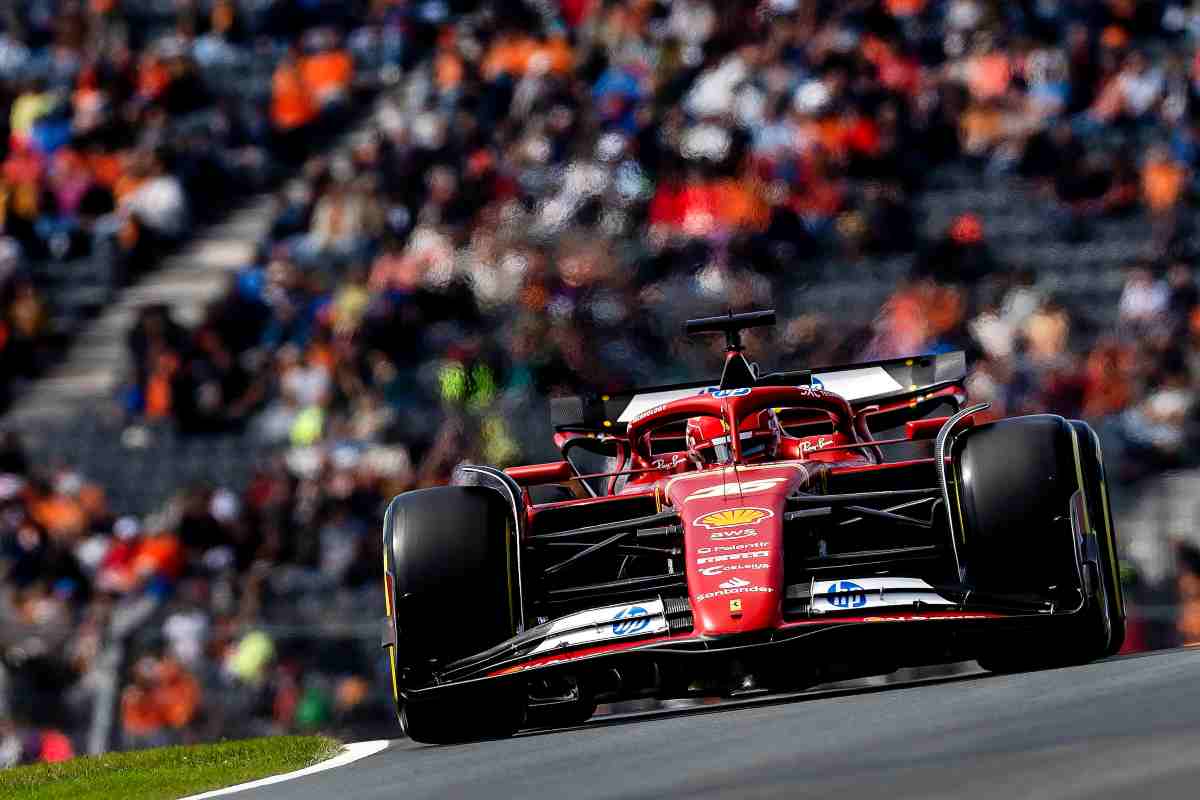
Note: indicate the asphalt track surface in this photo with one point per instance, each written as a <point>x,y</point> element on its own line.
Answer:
<point>1123,728</point>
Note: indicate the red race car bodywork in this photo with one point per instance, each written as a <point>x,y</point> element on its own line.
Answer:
<point>891,522</point>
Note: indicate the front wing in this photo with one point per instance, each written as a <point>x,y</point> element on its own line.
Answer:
<point>846,646</point>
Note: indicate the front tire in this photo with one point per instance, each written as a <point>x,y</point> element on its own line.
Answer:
<point>1015,481</point>
<point>449,575</point>
<point>494,715</point>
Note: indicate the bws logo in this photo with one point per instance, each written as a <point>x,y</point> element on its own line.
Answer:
<point>714,571</point>
<point>846,594</point>
<point>735,488</point>
<point>630,620</point>
<point>725,536</point>
<point>729,517</point>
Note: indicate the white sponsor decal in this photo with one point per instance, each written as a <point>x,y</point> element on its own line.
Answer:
<point>736,488</point>
<point>609,622</point>
<point>713,571</point>
<point>641,403</point>
<point>819,444</point>
<point>734,583</point>
<point>853,594</point>
<point>734,557</point>
<point>649,412</point>
<point>739,590</point>
<point>668,463</point>
<point>727,548</point>
<point>855,384</point>
<point>725,536</point>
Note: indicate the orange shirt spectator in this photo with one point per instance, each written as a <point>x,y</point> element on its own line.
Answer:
<point>158,399</point>
<point>1107,382</point>
<point>105,167</point>
<point>327,75</point>
<point>448,70</point>
<point>988,75</point>
<point>1162,182</point>
<point>905,8</point>
<point>153,77</point>
<point>177,695</point>
<point>981,127</point>
<point>1188,620</point>
<point>58,514</point>
<point>292,104</point>
<point>740,206</point>
<point>161,554</point>
<point>557,55</point>
<point>141,714</point>
<point>509,55</point>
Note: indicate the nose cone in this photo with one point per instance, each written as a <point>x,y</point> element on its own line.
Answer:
<point>733,540</point>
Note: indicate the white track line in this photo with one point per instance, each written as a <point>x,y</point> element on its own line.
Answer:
<point>350,753</point>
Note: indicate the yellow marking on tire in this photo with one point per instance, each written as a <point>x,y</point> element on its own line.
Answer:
<point>1087,522</point>
<point>1110,531</point>
<point>508,562</point>
<point>388,602</point>
<point>962,520</point>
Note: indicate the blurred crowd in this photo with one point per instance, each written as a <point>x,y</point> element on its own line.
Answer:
<point>226,614</point>
<point>555,187</point>
<point>122,121</point>
<point>546,192</point>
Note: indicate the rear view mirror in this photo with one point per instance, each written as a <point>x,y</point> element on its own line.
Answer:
<point>591,455</point>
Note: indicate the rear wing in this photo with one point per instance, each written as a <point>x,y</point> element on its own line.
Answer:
<point>861,384</point>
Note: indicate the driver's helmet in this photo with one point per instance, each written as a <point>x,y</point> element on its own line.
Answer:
<point>708,442</point>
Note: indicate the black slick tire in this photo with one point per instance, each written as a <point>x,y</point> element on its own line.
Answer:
<point>448,555</point>
<point>1014,482</point>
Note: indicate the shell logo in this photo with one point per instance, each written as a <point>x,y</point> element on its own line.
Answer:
<point>727,518</point>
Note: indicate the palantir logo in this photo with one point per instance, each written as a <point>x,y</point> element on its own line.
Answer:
<point>846,594</point>
<point>630,620</point>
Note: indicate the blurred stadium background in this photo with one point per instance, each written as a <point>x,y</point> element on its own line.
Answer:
<point>265,263</point>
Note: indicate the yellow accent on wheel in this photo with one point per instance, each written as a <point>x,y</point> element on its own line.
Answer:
<point>508,569</point>
<point>1087,522</point>
<point>387,599</point>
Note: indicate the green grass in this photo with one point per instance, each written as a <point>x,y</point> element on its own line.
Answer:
<point>165,772</point>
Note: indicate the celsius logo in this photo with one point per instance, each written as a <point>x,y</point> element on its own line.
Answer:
<point>630,620</point>
<point>846,594</point>
<point>711,571</point>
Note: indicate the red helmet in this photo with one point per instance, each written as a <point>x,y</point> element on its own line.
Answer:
<point>708,438</point>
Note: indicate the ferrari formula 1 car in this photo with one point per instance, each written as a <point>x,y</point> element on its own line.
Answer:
<point>764,531</point>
